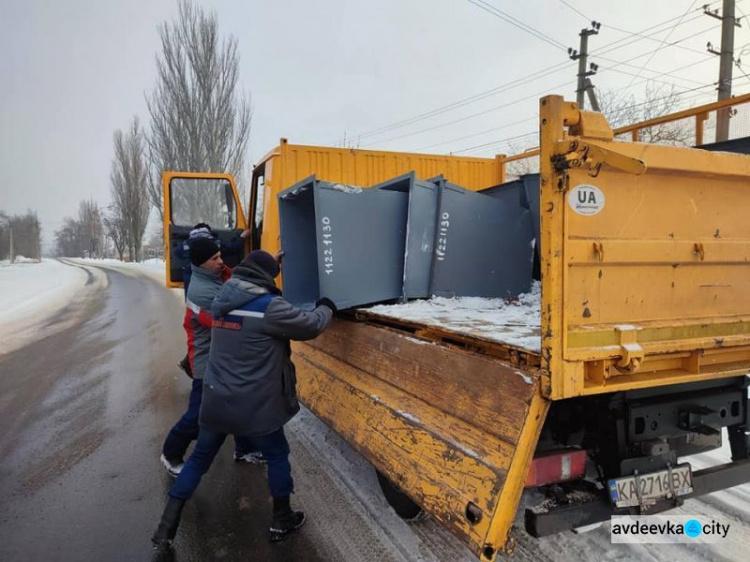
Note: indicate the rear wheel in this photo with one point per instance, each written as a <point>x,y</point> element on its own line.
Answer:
<point>399,501</point>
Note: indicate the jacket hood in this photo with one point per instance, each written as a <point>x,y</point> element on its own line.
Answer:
<point>235,293</point>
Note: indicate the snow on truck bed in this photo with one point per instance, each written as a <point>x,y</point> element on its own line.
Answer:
<point>513,322</point>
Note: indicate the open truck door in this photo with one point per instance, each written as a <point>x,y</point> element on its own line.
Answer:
<point>192,198</point>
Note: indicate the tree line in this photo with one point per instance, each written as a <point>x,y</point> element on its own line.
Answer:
<point>199,121</point>
<point>20,235</point>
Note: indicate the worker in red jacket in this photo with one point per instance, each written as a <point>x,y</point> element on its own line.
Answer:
<point>208,275</point>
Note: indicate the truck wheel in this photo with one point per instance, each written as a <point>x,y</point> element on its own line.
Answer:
<point>400,502</point>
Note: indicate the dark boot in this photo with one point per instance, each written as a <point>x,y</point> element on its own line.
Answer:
<point>185,366</point>
<point>285,520</point>
<point>167,529</point>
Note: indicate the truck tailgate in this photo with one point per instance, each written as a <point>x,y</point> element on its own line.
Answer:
<point>645,260</point>
<point>451,427</point>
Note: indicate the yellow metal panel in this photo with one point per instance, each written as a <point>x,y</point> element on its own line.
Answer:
<point>439,451</point>
<point>290,163</point>
<point>660,269</point>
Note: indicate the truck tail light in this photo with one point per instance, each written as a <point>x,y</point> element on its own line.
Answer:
<point>556,467</point>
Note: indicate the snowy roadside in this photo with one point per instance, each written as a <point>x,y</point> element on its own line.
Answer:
<point>153,268</point>
<point>32,292</point>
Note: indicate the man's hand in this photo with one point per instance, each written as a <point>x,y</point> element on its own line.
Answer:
<point>245,233</point>
<point>327,302</point>
<point>278,255</point>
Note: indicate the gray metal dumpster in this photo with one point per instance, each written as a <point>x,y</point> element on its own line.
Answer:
<point>342,242</point>
<point>483,245</point>
<point>524,191</point>
<point>420,231</point>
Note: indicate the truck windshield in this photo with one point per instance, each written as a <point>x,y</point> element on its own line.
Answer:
<point>194,200</point>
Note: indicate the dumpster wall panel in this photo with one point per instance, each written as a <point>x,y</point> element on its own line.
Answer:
<point>483,246</point>
<point>343,243</point>
<point>298,238</point>
<point>361,240</point>
<point>420,232</point>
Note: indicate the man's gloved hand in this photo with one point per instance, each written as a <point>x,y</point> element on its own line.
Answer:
<point>327,302</point>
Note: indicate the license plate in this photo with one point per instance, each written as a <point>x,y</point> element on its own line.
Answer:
<point>646,489</point>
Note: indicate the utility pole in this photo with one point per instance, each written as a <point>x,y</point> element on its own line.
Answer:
<point>593,100</point>
<point>581,56</point>
<point>11,243</point>
<point>728,23</point>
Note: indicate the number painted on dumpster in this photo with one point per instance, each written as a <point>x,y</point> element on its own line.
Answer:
<point>327,245</point>
<point>442,240</point>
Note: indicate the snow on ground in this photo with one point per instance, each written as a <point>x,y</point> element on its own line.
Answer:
<point>154,268</point>
<point>31,292</point>
<point>513,322</point>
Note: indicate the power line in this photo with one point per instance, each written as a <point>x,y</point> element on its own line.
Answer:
<point>506,87</point>
<point>506,126</point>
<point>614,124</point>
<point>663,42</point>
<point>673,43</point>
<point>543,73</point>
<point>533,77</point>
<point>576,10</point>
<point>632,106</point>
<point>494,142</point>
<point>497,12</point>
<point>535,95</point>
<point>497,108</point>
<point>655,29</point>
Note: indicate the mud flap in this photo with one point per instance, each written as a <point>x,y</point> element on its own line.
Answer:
<point>453,429</point>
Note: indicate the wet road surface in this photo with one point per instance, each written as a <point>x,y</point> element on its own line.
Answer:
<point>84,412</point>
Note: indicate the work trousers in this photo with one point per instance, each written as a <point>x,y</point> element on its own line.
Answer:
<point>186,430</point>
<point>275,450</point>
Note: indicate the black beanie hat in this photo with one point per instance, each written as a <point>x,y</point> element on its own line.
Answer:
<point>202,250</point>
<point>265,260</point>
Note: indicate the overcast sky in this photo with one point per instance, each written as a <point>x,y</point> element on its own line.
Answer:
<point>73,71</point>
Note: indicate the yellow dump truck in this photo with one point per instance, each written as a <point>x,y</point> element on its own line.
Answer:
<point>638,359</point>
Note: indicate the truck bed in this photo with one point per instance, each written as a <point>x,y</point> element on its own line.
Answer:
<point>487,323</point>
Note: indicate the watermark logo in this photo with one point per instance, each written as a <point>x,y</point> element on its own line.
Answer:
<point>663,529</point>
<point>693,528</point>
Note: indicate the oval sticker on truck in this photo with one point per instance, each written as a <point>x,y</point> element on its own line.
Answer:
<point>586,200</point>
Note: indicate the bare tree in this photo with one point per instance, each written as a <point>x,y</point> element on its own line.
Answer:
<point>129,180</point>
<point>114,228</point>
<point>524,166</point>
<point>199,120</point>
<point>69,239</point>
<point>626,109</point>
<point>91,228</point>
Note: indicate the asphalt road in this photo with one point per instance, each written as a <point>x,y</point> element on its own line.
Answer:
<point>84,412</point>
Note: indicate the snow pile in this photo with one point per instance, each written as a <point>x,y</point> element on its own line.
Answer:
<point>19,259</point>
<point>515,322</point>
<point>30,293</point>
<point>36,288</point>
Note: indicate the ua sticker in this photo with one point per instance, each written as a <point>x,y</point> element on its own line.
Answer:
<point>586,200</point>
